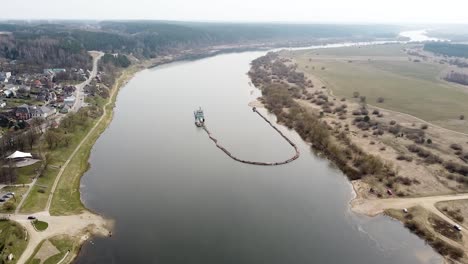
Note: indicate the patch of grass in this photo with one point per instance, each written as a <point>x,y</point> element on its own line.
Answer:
<point>40,225</point>
<point>63,244</point>
<point>444,228</point>
<point>12,240</point>
<point>14,201</point>
<point>26,174</point>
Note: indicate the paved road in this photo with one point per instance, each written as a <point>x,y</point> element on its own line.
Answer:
<point>79,93</point>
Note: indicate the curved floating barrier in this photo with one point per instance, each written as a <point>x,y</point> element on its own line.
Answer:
<point>296,156</point>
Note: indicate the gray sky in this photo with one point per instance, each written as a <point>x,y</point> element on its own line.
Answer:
<point>394,11</point>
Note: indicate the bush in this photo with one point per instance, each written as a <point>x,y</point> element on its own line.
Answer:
<point>456,147</point>
<point>380,100</point>
<point>375,112</point>
<point>462,117</point>
<point>356,94</point>
<point>9,206</point>
<point>429,141</point>
<point>424,126</point>
<point>393,122</point>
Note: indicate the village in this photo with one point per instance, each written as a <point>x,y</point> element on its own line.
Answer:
<point>47,96</point>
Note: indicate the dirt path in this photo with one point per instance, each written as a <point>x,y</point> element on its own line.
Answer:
<point>62,169</point>
<point>73,225</point>
<point>377,206</point>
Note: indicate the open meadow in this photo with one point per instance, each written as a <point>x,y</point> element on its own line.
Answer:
<point>406,84</point>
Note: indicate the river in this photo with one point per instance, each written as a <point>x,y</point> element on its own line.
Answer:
<point>176,198</point>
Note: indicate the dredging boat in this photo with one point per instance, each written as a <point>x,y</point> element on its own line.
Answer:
<point>199,117</point>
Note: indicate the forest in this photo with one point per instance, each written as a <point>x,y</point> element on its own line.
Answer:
<point>448,49</point>
<point>63,44</point>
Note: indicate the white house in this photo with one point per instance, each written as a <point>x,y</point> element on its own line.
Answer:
<point>41,111</point>
<point>69,100</point>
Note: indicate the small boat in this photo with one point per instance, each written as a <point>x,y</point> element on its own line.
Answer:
<point>199,117</point>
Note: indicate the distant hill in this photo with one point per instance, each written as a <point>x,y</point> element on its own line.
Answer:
<point>61,44</point>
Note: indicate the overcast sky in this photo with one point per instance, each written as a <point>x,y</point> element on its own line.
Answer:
<point>393,11</point>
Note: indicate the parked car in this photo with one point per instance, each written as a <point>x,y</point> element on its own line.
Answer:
<point>31,217</point>
<point>10,193</point>
<point>5,196</point>
<point>457,227</point>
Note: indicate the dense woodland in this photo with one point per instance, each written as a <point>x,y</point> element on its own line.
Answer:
<point>448,49</point>
<point>65,44</point>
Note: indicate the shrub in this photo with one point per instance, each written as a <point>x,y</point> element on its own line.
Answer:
<point>429,141</point>
<point>9,206</point>
<point>456,147</point>
<point>380,100</point>
<point>375,112</point>
<point>424,126</point>
<point>362,99</point>
<point>393,122</point>
<point>355,94</point>
<point>462,117</point>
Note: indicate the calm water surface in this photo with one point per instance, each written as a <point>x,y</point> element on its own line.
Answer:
<point>176,198</point>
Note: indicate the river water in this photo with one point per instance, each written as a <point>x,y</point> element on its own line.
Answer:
<point>176,198</point>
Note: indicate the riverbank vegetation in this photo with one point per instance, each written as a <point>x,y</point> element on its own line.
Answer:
<point>281,85</point>
<point>67,200</point>
<point>434,230</point>
<point>385,153</point>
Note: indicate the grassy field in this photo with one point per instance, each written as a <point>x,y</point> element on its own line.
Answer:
<point>63,244</point>
<point>37,199</point>
<point>12,240</point>
<point>382,71</point>
<point>25,174</point>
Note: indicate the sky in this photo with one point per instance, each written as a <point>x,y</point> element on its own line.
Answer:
<point>326,11</point>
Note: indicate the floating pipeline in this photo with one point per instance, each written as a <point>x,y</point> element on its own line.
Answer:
<point>259,163</point>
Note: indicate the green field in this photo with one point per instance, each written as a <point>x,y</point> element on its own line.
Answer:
<point>381,71</point>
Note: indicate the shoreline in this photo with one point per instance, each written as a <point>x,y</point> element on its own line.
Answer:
<point>369,196</point>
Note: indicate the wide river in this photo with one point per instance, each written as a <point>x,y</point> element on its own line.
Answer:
<point>176,198</point>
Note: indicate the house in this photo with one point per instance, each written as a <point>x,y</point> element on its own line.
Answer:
<point>65,109</point>
<point>52,72</point>
<point>26,112</point>
<point>42,111</point>
<point>22,112</point>
<point>5,76</point>
<point>70,101</point>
